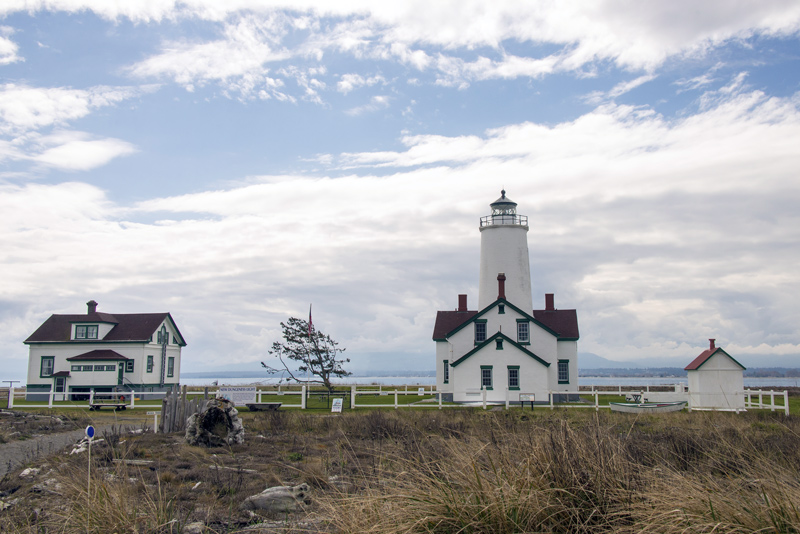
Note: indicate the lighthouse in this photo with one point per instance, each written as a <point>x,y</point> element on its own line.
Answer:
<point>504,250</point>
<point>505,351</point>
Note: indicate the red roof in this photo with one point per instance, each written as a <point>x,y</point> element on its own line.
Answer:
<point>565,322</point>
<point>127,327</point>
<point>97,355</point>
<point>447,321</point>
<point>705,356</point>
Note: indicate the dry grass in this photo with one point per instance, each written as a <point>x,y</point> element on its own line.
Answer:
<point>454,471</point>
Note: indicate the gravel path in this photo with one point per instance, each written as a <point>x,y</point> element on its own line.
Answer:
<point>17,453</point>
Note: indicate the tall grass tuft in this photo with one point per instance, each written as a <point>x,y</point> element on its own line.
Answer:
<point>592,474</point>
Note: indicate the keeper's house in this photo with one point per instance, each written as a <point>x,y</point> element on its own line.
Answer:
<point>69,354</point>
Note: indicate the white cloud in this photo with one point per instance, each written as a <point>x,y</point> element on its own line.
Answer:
<point>8,48</point>
<point>349,82</point>
<point>238,60</point>
<point>376,103</point>
<point>619,89</point>
<point>24,108</point>
<point>77,151</point>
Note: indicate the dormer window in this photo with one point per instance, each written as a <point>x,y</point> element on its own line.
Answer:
<point>86,332</point>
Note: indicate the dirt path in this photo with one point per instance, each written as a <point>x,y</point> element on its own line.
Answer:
<point>18,453</point>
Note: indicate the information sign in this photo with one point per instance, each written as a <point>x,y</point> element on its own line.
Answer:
<point>336,407</point>
<point>238,395</point>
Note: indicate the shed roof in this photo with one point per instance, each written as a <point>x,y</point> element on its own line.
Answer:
<point>706,355</point>
<point>97,355</point>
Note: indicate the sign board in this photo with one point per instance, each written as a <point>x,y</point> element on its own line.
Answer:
<point>526,398</point>
<point>90,432</point>
<point>421,391</point>
<point>153,413</point>
<point>336,407</point>
<point>238,395</point>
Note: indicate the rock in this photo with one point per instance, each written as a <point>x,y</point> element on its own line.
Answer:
<point>29,472</point>
<point>198,527</point>
<point>4,505</point>
<point>218,424</point>
<point>280,499</point>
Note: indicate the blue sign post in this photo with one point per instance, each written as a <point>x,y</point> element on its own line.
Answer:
<point>90,435</point>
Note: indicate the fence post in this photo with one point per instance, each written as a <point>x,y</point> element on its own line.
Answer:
<point>303,398</point>
<point>52,396</point>
<point>786,401</point>
<point>483,394</point>
<point>772,400</point>
<point>10,397</point>
<point>507,394</point>
<point>550,393</point>
<point>395,399</point>
<point>440,401</point>
<point>596,403</point>
<point>352,397</point>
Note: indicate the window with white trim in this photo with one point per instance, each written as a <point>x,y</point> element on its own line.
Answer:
<point>129,366</point>
<point>86,332</point>
<point>446,373</point>
<point>46,366</point>
<point>523,332</point>
<point>170,366</point>
<point>149,364</point>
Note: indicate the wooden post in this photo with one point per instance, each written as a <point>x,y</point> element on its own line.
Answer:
<point>550,392</point>
<point>353,397</point>
<point>395,399</point>
<point>440,400</point>
<point>596,402</point>
<point>10,397</point>
<point>205,393</point>
<point>772,400</point>
<point>303,398</point>
<point>164,413</point>
<point>786,401</point>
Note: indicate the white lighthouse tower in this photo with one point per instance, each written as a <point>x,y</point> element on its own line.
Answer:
<point>504,249</point>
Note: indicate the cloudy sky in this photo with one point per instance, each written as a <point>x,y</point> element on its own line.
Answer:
<point>233,162</point>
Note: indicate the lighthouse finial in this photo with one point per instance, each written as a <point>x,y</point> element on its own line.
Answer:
<point>503,193</point>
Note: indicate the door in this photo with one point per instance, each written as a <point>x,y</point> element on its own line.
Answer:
<point>61,383</point>
<point>120,373</point>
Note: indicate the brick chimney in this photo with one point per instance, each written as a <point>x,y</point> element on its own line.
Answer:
<point>549,302</point>
<point>711,343</point>
<point>462,303</point>
<point>501,285</point>
<point>91,307</point>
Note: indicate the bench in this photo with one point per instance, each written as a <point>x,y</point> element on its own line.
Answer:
<point>116,405</point>
<point>263,406</point>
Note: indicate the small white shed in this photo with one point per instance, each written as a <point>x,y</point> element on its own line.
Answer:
<point>716,381</point>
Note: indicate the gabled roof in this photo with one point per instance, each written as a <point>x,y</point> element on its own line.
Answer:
<point>444,329</point>
<point>128,327</point>
<point>97,355</point>
<point>705,356</point>
<point>505,337</point>
<point>565,322</point>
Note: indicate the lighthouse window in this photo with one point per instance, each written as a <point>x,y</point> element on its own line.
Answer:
<point>480,332</point>
<point>523,332</point>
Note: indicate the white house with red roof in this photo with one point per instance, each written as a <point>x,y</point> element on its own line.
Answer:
<point>716,380</point>
<point>74,354</point>
<point>505,350</point>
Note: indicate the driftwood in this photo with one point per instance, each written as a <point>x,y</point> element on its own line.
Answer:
<point>175,409</point>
